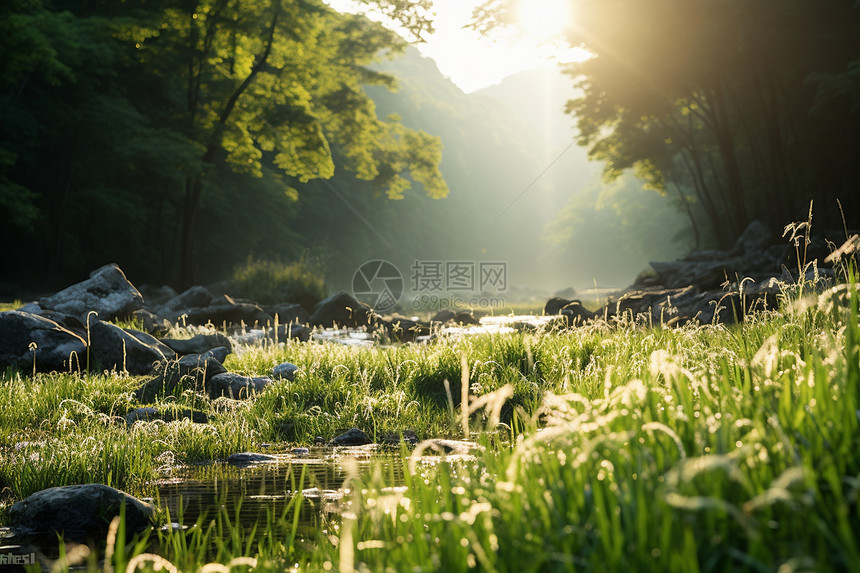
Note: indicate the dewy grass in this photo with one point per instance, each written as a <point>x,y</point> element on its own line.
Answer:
<point>620,447</point>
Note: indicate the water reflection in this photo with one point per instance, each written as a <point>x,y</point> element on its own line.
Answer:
<point>250,493</point>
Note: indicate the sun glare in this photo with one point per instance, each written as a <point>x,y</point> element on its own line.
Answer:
<point>543,19</point>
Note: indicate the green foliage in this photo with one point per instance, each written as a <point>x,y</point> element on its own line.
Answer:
<point>728,101</point>
<point>299,282</point>
<point>130,111</point>
<point>630,448</point>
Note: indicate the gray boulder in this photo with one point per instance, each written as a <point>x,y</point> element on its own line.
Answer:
<point>131,351</point>
<point>221,310</point>
<point>195,297</point>
<point>343,310</point>
<point>290,331</point>
<point>408,437</point>
<point>56,348</point>
<point>235,386</point>
<point>198,344</point>
<point>189,372</point>
<point>78,512</point>
<point>220,353</point>
<point>285,370</point>
<point>151,322</point>
<point>107,292</point>
<point>288,313</point>
<point>245,459</point>
<point>755,238</point>
<point>166,414</point>
<point>352,437</point>
<point>154,297</point>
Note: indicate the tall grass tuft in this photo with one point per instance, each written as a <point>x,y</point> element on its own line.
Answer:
<point>267,282</point>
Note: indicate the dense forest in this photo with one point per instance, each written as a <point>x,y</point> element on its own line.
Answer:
<point>123,121</point>
<point>178,139</point>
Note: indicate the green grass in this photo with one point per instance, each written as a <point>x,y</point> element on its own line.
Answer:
<point>620,447</point>
<point>10,305</point>
<point>266,282</point>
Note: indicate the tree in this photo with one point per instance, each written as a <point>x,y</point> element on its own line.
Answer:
<point>280,83</point>
<point>724,99</point>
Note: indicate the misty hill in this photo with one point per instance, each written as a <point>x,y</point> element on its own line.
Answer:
<point>519,192</point>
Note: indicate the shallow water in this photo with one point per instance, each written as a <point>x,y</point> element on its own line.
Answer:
<point>249,493</point>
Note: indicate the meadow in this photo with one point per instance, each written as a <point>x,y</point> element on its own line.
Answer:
<point>607,447</point>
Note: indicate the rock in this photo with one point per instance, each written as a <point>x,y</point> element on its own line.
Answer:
<point>290,331</point>
<point>192,371</point>
<point>408,437</point>
<point>198,344</point>
<point>405,329</point>
<point>195,297</point>
<point>352,437</point>
<point>457,447</point>
<point>152,324</point>
<point>755,238</point>
<point>113,348</point>
<point>68,322</point>
<point>464,317</point>
<point>155,297</point>
<point>288,313</point>
<point>285,370</point>
<point>555,305</point>
<point>224,310</point>
<point>576,314</point>
<point>78,512</point>
<point>443,316</point>
<point>235,386</point>
<point>54,345</point>
<point>107,292</point>
<point>343,310</point>
<point>220,353</point>
<point>245,459</point>
<point>31,307</point>
<point>169,415</point>
<point>572,310</point>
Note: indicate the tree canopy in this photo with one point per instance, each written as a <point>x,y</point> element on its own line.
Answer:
<point>123,118</point>
<point>747,110</point>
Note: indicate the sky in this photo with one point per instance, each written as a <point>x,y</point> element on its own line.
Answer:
<point>473,61</point>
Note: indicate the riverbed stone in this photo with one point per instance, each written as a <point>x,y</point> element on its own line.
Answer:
<point>135,352</point>
<point>352,437</point>
<point>289,331</point>
<point>408,437</point>
<point>55,348</point>
<point>236,386</point>
<point>219,353</point>
<point>288,312</point>
<point>285,370</point>
<point>343,310</point>
<point>107,291</point>
<point>149,414</point>
<point>198,344</point>
<point>194,297</point>
<point>189,372</point>
<point>78,512</point>
<point>244,459</point>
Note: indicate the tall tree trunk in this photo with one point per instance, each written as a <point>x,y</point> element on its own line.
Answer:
<point>194,185</point>
<point>726,145</point>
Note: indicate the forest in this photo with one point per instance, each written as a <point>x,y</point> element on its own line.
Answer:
<point>181,138</point>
